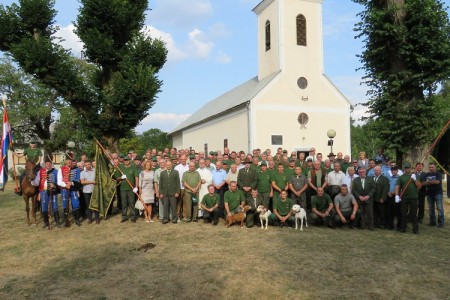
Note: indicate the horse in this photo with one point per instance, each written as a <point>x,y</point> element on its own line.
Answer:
<point>29,190</point>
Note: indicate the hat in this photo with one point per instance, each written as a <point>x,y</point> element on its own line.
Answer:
<point>173,157</point>
<point>263,164</point>
<point>308,159</point>
<point>407,165</point>
<point>211,152</point>
<point>331,154</point>
<point>154,158</point>
<point>291,159</point>
<point>247,161</point>
<point>126,158</point>
<point>394,168</point>
<point>33,142</point>
<point>284,151</point>
<point>224,162</point>
<point>192,156</point>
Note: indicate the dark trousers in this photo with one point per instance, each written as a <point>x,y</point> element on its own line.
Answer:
<point>170,203</point>
<point>347,216</point>
<point>212,216</point>
<point>366,209</point>
<point>409,205</point>
<point>221,193</point>
<point>251,218</point>
<point>87,201</point>
<point>318,220</point>
<point>379,214</point>
<point>83,206</point>
<point>421,205</point>
<point>392,212</point>
<point>309,193</point>
<point>128,201</point>
<point>266,199</point>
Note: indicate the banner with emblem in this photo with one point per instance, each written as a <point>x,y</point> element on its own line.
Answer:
<point>105,185</point>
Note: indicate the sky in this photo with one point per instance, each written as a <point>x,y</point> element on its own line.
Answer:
<point>212,48</point>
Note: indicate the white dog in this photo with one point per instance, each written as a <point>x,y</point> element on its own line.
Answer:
<point>264,214</point>
<point>300,214</point>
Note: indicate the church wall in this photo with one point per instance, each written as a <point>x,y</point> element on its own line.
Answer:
<point>233,127</point>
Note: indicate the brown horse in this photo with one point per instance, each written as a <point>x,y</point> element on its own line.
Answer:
<point>29,190</point>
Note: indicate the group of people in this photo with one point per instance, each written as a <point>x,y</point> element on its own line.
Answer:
<point>185,186</point>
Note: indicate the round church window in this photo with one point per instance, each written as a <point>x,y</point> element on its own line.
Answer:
<point>303,119</point>
<point>302,83</point>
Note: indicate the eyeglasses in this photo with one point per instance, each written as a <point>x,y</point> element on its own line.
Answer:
<point>355,162</point>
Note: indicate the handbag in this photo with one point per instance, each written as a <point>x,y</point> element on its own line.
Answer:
<point>139,205</point>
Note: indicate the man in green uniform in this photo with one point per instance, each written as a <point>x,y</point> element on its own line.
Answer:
<point>247,178</point>
<point>210,206</point>
<point>191,181</point>
<point>282,210</point>
<point>264,185</point>
<point>127,191</point>
<point>406,193</point>
<point>279,181</point>
<point>253,201</point>
<point>322,209</point>
<point>233,198</point>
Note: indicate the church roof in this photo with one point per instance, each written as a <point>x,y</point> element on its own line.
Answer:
<point>232,99</point>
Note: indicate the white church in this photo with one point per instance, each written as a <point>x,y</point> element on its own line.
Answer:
<point>290,104</point>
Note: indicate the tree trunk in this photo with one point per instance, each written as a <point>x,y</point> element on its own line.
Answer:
<point>113,143</point>
<point>399,157</point>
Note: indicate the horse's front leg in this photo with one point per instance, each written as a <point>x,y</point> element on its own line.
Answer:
<point>34,208</point>
<point>27,208</point>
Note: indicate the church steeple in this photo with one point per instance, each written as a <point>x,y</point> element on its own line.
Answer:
<point>289,36</point>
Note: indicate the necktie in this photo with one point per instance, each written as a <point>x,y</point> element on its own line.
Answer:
<point>362,182</point>
<point>376,179</point>
<point>254,200</point>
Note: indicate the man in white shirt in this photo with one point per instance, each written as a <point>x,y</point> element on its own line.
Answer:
<point>335,180</point>
<point>206,178</point>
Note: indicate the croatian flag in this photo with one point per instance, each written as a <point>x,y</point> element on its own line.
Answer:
<point>6,142</point>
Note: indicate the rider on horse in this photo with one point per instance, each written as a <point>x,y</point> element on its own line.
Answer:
<point>35,155</point>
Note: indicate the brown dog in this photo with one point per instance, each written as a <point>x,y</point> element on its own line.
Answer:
<point>237,217</point>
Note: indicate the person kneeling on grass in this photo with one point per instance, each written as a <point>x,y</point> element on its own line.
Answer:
<point>210,206</point>
<point>282,210</point>
<point>346,208</point>
<point>322,209</point>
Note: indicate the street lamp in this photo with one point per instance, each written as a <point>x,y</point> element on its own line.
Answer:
<point>331,133</point>
<point>70,152</point>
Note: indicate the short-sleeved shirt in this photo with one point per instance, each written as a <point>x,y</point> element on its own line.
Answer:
<point>131,173</point>
<point>345,203</point>
<point>411,190</point>
<point>321,203</point>
<point>283,207</point>
<point>434,189</point>
<point>280,179</point>
<point>191,178</point>
<point>88,176</point>
<point>33,154</point>
<point>233,199</point>
<point>210,201</point>
<point>298,181</point>
<point>263,183</point>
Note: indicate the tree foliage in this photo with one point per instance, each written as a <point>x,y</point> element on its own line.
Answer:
<point>117,93</point>
<point>37,112</point>
<point>407,54</point>
<point>152,138</point>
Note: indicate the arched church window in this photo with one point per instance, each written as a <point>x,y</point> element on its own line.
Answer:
<point>301,30</point>
<point>267,35</point>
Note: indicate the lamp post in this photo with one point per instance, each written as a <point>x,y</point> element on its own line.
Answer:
<point>331,133</point>
<point>70,152</point>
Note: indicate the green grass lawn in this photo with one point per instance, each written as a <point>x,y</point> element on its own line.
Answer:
<point>198,261</point>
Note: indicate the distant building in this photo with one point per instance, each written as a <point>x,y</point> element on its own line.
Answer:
<point>290,104</point>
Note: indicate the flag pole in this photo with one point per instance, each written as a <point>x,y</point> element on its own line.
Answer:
<point>428,152</point>
<point>118,169</point>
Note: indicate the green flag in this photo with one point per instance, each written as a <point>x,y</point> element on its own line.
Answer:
<point>105,185</point>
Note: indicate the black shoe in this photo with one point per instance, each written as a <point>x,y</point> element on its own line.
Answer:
<point>123,220</point>
<point>76,216</point>
<point>133,220</point>
<point>195,220</point>
<point>56,216</point>
<point>164,222</point>
<point>432,224</point>
<point>90,221</point>
<point>416,231</point>
<point>441,226</point>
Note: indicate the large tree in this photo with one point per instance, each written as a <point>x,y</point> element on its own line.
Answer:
<point>117,95</point>
<point>37,112</point>
<point>406,56</point>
